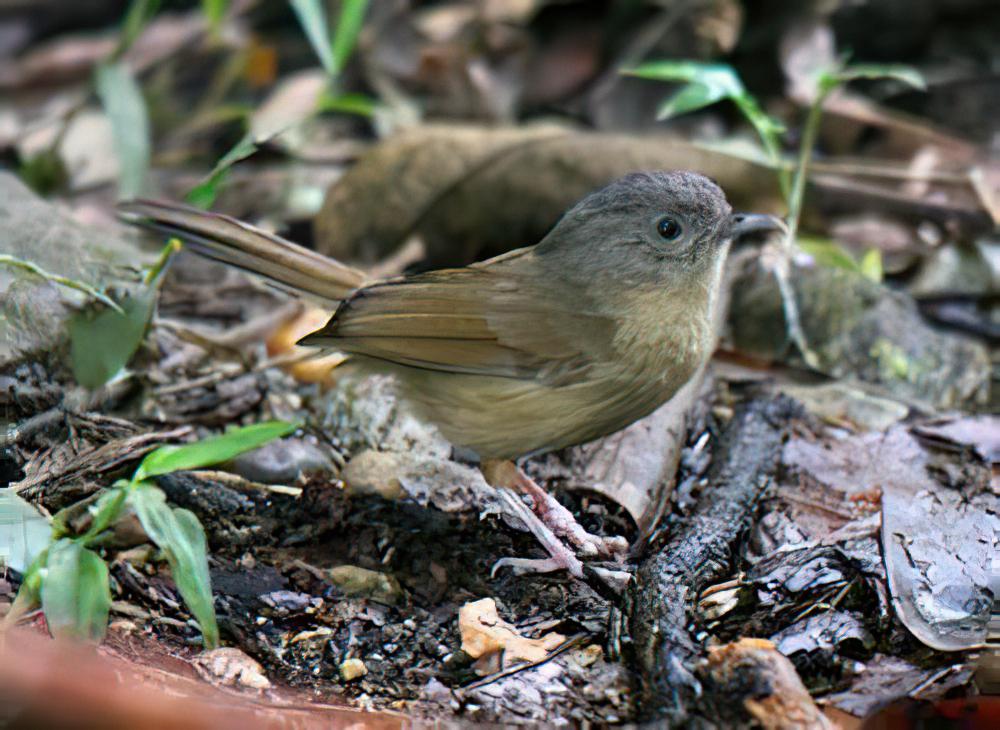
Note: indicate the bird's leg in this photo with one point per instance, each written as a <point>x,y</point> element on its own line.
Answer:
<point>560,556</point>
<point>556,519</point>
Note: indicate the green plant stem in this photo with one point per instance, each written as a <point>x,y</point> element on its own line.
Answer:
<point>173,246</point>
<point>798,190</point>
<point>796,196</point>
<point>60,280</point>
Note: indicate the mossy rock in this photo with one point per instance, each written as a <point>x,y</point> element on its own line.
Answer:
<point>859,330</point>
<point>34,311</point>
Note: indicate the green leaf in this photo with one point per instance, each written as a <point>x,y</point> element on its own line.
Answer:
<point>692,97</point>
<point>349,103</point>
<point>102,343</point>
<point>210,451</point>
<point>126,108</point>
<point>214,11</point>
<point>827,253</point>
<point>709,83</point>
<point>28,596</point>
<point>352,15</point>
<point>107,509</point>
<point>203,194</point>
<point>75,595</point>
<point>720,78</point>
<point>180,536</point>
<point>312,16</point>
<point>668,70</point>
<point>24,531</point>
<point>899,72</point>
<point>871,265</point>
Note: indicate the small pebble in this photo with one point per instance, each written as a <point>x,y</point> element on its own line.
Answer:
<point>351,669</point>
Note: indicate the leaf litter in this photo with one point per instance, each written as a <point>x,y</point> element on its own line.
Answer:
<point>349,566</point>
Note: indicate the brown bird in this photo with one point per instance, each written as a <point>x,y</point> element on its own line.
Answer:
<point>541,348</point>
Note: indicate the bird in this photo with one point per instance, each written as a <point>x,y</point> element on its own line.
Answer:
<point>544,347</point>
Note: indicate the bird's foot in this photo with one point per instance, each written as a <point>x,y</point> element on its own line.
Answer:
<point>560,556</point>
<point>549,521</point>
<point>563,524</point>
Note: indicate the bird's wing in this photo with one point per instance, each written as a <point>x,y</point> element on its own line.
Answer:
<point>500,319</point>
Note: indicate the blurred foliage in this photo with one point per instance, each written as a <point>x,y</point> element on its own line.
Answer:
<point>123,101</point>
<point>204,193</point>
<point>333,48</point>
<point>828,253</point>
<point>707,84</point>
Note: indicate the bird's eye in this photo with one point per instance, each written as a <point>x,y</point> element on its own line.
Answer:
<point>668,228</point>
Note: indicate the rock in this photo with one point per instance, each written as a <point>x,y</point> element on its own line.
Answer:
<point>282,461</point>
<point>230,667</point>
<point>355,581</point>
<point>859,330</point>
<point>374,472</point>
<point>839,402</point>
<point>352,669</point>
<point>447,485</point>
<point>34,311</point>
<point>365,413</point>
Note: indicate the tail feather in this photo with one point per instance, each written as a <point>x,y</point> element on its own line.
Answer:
<point>283,263</point>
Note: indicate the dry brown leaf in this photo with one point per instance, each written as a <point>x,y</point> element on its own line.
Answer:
<point>282,343</point>
<point>230,667</point>
<point>755,663</point>
<point>486,636</point>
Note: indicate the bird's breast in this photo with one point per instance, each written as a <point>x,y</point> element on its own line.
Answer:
<point>663,335</point>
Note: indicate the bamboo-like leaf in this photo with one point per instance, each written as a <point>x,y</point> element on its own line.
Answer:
<point>107,509</point>
<point>348,103</point>
<point>312,17</point>
<point>28,596</point>
<point>180,536</point>
<point>692,97</point>
<point>828,253</point>
<point>75,594</point>
<point>352,15</point>
<point>214,11</point>
<point>709,83</point>
<point>899,72</point>
<point>210,451</point>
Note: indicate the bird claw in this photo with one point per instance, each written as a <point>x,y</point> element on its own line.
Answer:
<point>525,566</point>
<point>549,521</point>
<point>563,524</point>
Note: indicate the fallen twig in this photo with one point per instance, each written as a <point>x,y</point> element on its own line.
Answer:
<point>699,553</point>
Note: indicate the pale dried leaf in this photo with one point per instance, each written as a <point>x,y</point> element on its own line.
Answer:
<point>485,634</point>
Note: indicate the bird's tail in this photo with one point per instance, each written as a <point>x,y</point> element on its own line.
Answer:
<point>220,237</point>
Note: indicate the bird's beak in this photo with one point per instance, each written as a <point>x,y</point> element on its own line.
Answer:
<point>746,223</point>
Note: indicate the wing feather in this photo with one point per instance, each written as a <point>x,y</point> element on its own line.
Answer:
<point>500,318</point>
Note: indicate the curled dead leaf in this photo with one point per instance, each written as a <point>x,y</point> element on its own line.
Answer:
<point>230,667</point>
<point>301,366</point>
<point>496,643</point>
